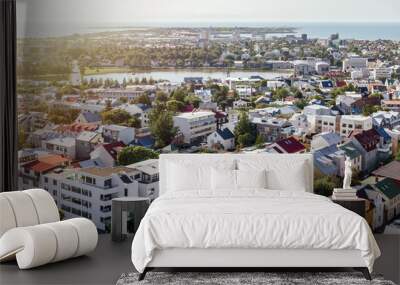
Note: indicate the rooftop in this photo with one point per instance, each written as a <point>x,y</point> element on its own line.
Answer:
<point>149,166</point>
<point>195,115</point>
<point>290,145</point>
<point>390,170</point>
<point>105,171</point>
<point>389,187</point>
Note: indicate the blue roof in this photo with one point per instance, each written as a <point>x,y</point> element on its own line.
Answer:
<point>91,117</point>
<point>143,107</point>
<point>147,141</point>
<point>331,138</point>
<point>226,134</point>
<point>323,160</point>
<point>381,131</point>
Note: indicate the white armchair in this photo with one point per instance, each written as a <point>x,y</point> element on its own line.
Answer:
<point>31,230</point>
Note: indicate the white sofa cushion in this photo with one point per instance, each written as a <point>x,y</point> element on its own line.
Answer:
<point>41,244</point>
<point>23,208</point>
<point>44,204</point>
<point>7,218</point>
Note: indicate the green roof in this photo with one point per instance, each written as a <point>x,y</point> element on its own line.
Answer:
<point>350,150</point>
<point>389,187</point>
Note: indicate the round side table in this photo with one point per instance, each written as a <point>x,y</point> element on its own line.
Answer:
<point>127,210</point>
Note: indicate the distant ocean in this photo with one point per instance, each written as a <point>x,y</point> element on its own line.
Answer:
<point>354,30</point>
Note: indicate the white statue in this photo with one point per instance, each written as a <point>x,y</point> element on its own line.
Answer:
<point>347,173</point>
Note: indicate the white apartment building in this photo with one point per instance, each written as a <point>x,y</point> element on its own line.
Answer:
<point>303,67</point>
<point>322,67</point>
<point>195,126</point>
<point>349,123</point>
<point>279,64</point>
<point>115,93</point>
<point>87,192</point>
<point>146,173</point>
<point>354,62</point>
<point>316,110</point>
<point>115,133</point>
<point>381,73</point>
<point>322,123</point>
<point>244,92</point>
<point>62,146</point>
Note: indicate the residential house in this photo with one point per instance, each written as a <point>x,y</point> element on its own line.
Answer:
<point>367,142</point>
<point>141,111</point>
<point>221,139</point>
<point>31,173</point>
<point>86,142</point>
<point>107,154</point>
<point>117,133</point>
<point>392,105</point>
<point>325,139</point>
<point>88,117</point>
<point>329,160</point>
<point>386,119</point>
<point>287,145</point>
<point>351,151</point>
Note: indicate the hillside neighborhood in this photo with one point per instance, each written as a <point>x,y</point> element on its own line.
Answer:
<point>87,141</point>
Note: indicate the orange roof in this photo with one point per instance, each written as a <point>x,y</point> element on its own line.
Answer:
<point>39,166</point>
<point>77,127</point>
<point>53,159</point>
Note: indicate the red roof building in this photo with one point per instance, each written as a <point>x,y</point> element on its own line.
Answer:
<point>288,145</point>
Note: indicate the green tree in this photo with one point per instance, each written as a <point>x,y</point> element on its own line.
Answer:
<point>193,100</point>
<point>133,154</point>
<point>324,184</point>
<point>259,141</point>
<point>62,115</point>
<point>116,116</point>
<point>175,106</point>
<point>142,99</point>
<point>244,131</point>
<point>161,97</point>
<point>369,109</point>
<point>162,126</point>
<point>398,156</point>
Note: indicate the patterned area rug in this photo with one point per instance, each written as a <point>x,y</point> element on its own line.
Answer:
<point>243,278</point>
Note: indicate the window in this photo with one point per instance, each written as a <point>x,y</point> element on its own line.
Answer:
<point>46,180</point>
<point>54,182</point>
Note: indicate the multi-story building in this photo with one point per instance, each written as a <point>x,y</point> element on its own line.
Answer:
<point>195,126</point>
<point>272,129</point>
<point>87,192</point>
<point>381,73</point>
<point>62,146</point>
<point>354,62</point>
<point>146,173</point>
<point>349,123</point>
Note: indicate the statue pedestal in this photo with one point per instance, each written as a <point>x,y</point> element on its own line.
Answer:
<point>340,193</point>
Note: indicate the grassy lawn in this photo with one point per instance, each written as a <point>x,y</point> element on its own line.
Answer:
<point>104,70</point>
<point>46,77</point>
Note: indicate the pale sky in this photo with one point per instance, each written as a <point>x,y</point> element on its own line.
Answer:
<point>144,11</point>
